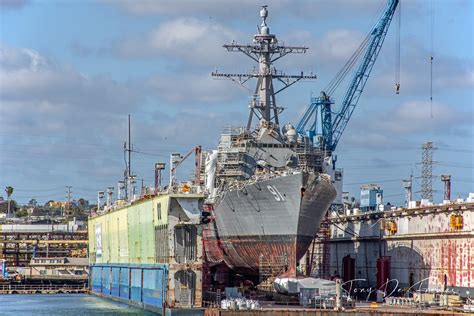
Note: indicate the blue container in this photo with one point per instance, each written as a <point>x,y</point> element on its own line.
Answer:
<point>136,284</point>
<point>125,283</point>
<point>115,285</point>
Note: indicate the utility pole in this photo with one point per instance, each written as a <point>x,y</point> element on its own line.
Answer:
<point>128,165</point>
<point>68,206</point>
<point>129,148</point>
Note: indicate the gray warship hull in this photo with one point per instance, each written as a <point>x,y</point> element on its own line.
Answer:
<point>265,181</point>
<point>272,218</point>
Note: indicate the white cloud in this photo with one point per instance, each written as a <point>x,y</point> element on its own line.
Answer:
<point>25,75</point>
<point>244,9</point>
<point>191,88</point>
<point>421,117</point>
<point>406,124</point>
<point>333,47</point>
<point>415,73</point>
<point>195,41</point>
<point>41,97</point>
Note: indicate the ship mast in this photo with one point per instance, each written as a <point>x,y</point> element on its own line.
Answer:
<point>265,50</point>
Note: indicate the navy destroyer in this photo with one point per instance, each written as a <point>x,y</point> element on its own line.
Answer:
<point>266,187</point>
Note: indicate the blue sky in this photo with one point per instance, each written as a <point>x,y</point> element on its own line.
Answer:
<point>71,71</point>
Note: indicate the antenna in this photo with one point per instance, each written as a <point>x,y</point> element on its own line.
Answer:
<point>128,164</point>
<point>129,149</point>
<point>265,50</point>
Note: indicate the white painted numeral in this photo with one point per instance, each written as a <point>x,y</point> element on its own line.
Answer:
<point>276,194</point>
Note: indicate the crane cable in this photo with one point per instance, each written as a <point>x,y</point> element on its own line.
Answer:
<point>349,65</point>
<point>431,59</point>
<point>397,52</point>
<point>336,81</point>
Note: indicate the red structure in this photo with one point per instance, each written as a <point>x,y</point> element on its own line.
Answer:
<point>383,271</point>
<point>348,268</point>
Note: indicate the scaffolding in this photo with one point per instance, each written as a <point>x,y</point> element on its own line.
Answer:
<point>320,251</point>
<point>269,269</point>
<point>309,157</point>
<point>232,154</point>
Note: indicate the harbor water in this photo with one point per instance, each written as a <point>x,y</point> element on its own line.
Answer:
<point>64,304</point>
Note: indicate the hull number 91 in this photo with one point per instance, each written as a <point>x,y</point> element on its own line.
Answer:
<point>276,194</point>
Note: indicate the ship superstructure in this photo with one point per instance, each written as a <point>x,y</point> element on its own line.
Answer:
<point>265,182</point>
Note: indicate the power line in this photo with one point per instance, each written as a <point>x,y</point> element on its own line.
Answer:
<point>38,190</point>
<point>374,181</point>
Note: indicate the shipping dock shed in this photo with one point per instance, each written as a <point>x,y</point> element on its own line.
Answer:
<point>149,253</point>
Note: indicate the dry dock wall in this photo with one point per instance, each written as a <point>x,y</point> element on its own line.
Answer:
<point>149,253</point>
<point>424,247</point>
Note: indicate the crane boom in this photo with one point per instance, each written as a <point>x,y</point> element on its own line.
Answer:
<point>333,124</point>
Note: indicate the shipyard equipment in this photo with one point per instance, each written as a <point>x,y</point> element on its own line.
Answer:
<point>176,160</point>
<point>320,111</point>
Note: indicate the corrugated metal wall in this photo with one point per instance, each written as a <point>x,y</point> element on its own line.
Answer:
<point>128,235</point>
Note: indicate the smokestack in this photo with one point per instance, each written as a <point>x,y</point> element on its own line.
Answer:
<point>446,178</point>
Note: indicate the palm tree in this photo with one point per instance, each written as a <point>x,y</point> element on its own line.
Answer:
<point>9,191</point>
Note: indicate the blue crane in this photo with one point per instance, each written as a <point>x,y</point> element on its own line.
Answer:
<point>334,123</point>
